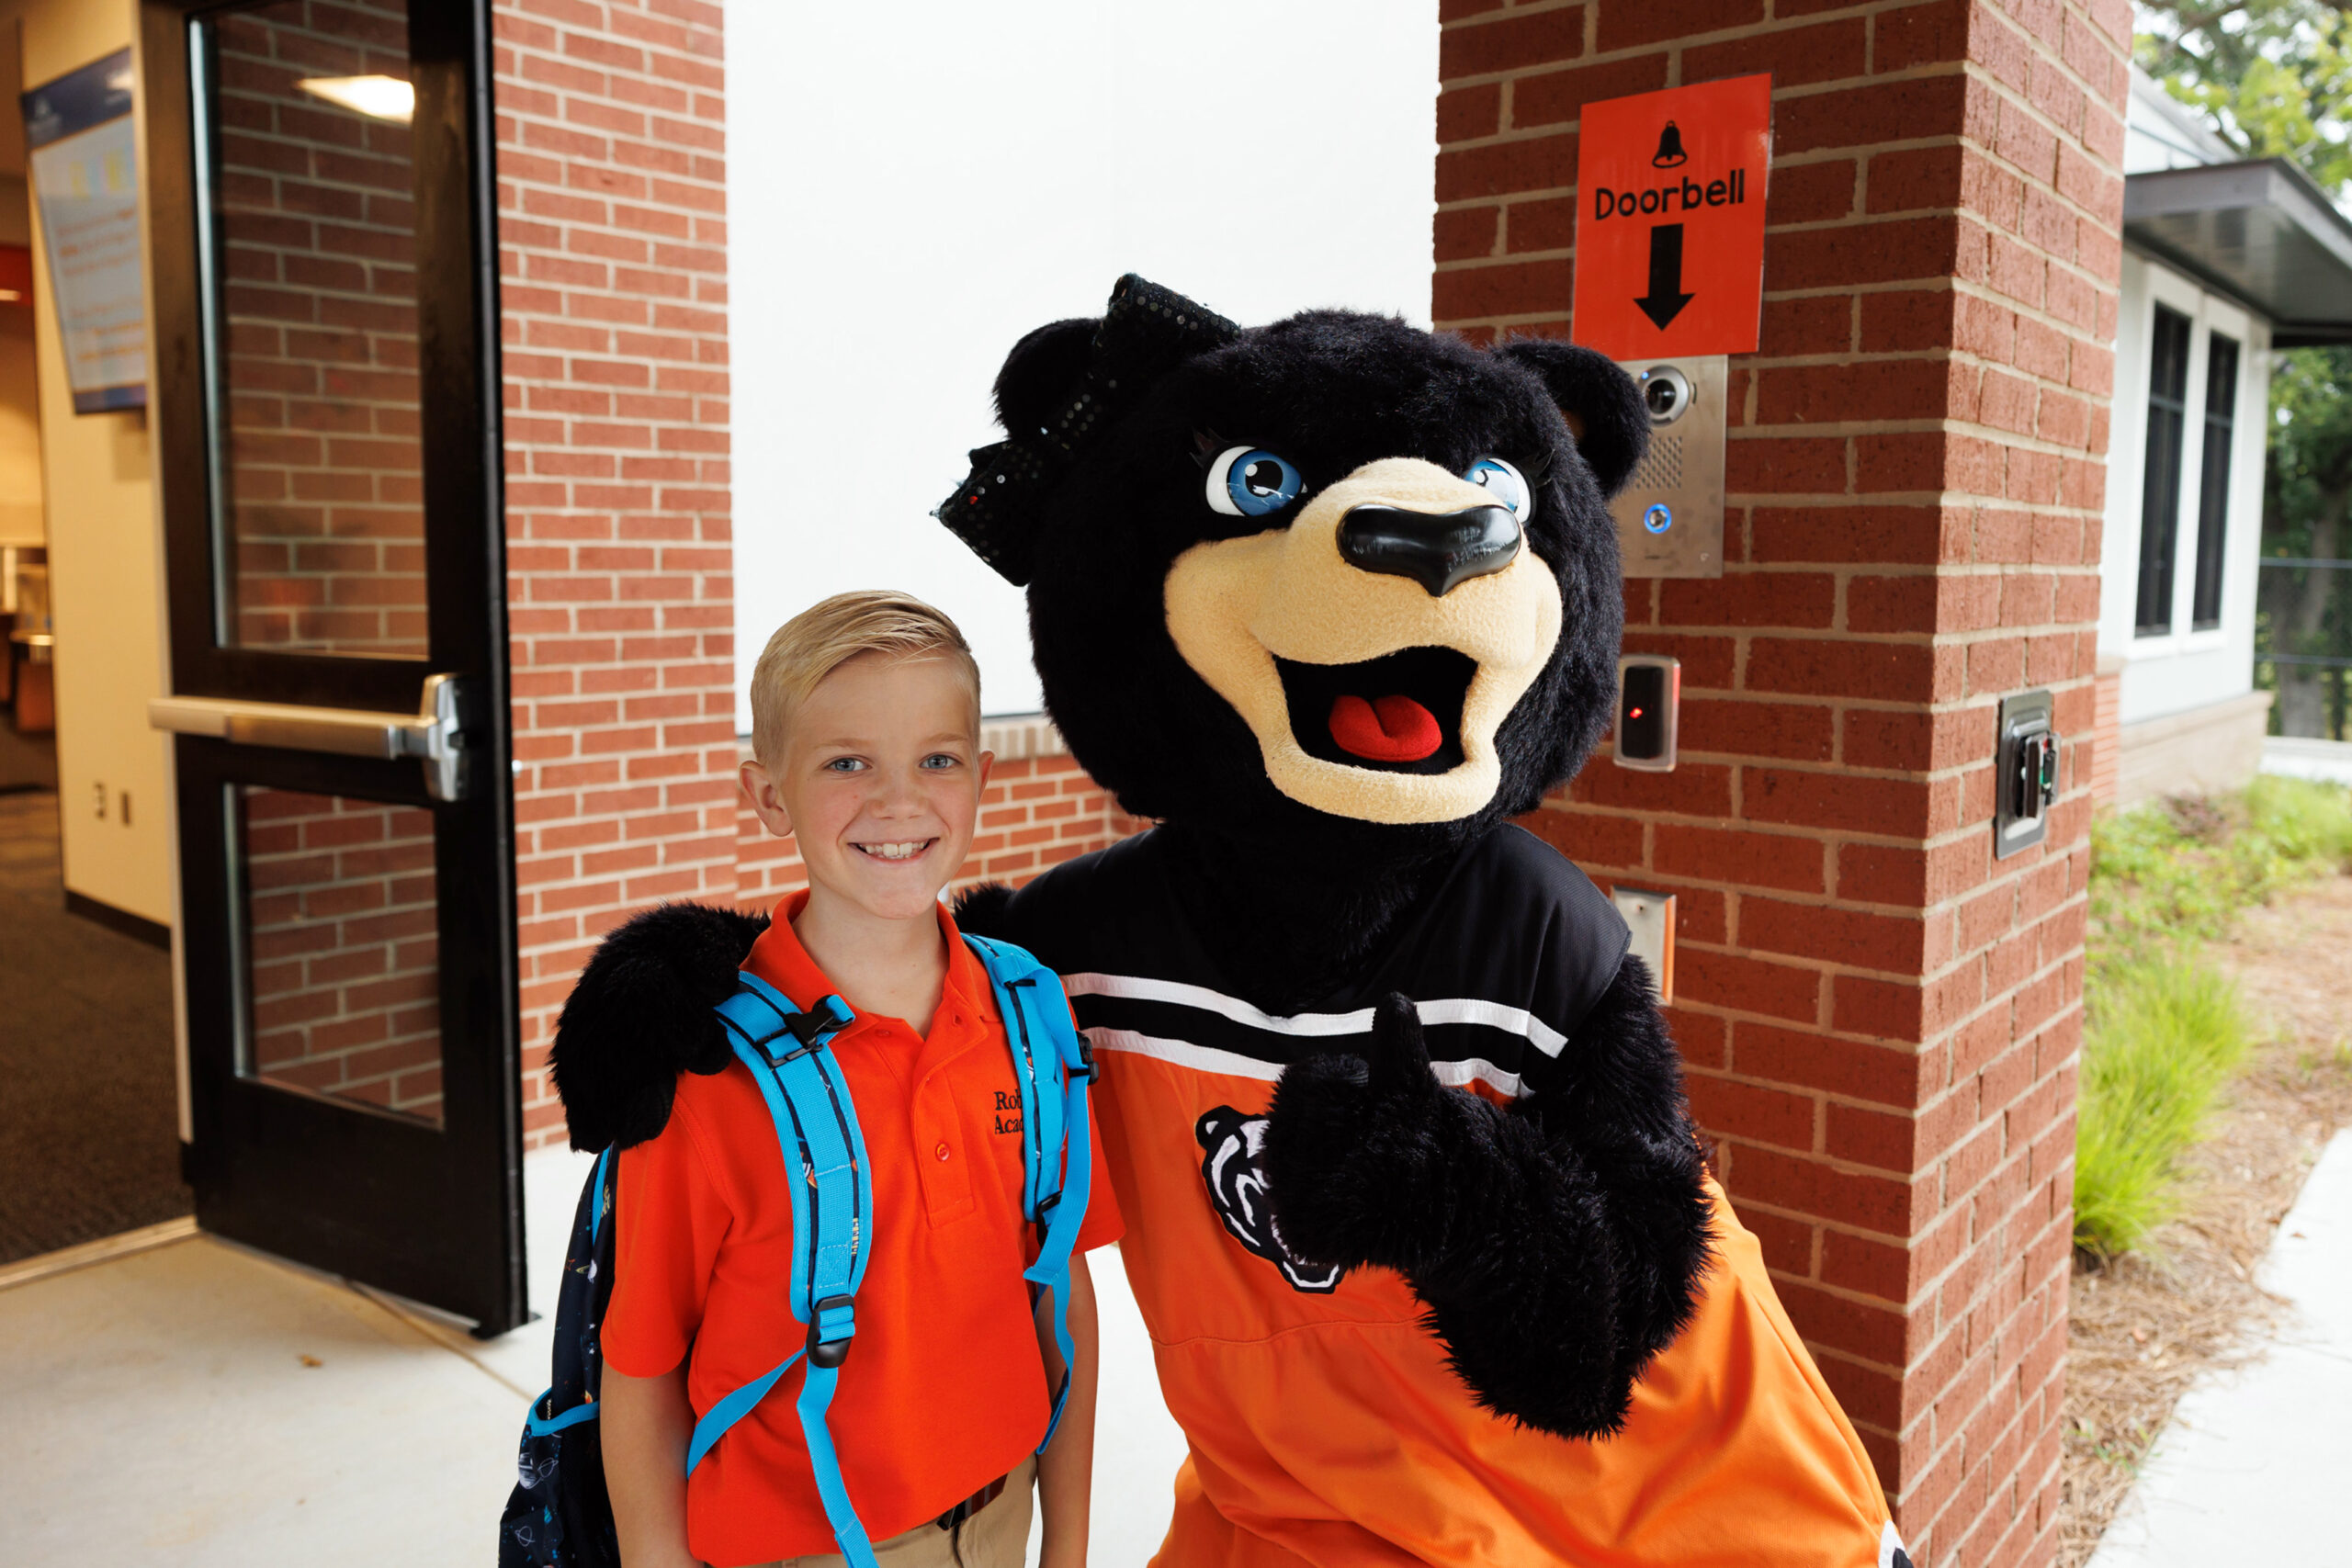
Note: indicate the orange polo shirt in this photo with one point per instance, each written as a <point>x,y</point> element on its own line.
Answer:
<point>944,1390</point>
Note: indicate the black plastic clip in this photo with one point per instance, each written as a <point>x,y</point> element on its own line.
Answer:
<point>810,1030</point>
<point>827,1352</point>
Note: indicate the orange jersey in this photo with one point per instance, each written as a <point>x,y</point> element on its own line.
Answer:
<point>1325,1425</point>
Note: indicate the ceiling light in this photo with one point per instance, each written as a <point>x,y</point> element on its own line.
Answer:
<point>378,97</point>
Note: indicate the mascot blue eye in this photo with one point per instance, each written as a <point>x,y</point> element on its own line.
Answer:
<point>1250,481</point>
<point>1509,485</point>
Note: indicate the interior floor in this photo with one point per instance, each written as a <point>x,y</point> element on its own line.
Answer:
<point>89,1110</point>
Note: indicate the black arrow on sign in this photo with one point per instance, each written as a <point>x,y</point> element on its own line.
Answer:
<point>1665,301</point>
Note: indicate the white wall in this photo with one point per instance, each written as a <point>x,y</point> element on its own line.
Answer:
<point>105,561</point>
<point>2187,668</point>
<point>911,187</point>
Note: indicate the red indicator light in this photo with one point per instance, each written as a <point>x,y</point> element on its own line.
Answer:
<point>1633,712</point>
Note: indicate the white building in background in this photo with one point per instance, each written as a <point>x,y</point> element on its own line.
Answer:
<point>2225,259</point>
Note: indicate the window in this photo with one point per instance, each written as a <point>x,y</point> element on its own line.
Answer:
<point>2213,484</point>
<point>2160,484</point>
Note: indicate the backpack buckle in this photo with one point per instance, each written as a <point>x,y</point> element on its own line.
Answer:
<point>830,1353</point>
<point>1086,1058</point>
<point>810,1029</point>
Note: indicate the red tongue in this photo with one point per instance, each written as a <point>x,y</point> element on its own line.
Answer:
<point>1391,729</point>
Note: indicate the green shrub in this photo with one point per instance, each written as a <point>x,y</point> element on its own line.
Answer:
<point>2162,1032</point>
<point>2167,876</point>
<point>2302,826</point>
<point>2160,1039</point>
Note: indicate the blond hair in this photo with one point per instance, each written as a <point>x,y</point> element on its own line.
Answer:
<point>829,634</point>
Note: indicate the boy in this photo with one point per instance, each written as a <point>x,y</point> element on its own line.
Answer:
<point>866,725</point>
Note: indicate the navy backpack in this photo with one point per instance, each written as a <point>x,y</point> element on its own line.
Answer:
<point>559,1514</point>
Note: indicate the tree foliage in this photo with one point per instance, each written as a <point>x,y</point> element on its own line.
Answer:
<point>2273,76</point>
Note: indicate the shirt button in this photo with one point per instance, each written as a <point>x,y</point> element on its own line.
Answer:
<point>940,1151</point>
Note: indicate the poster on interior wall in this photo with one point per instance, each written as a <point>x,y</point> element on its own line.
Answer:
<point>84,158</point>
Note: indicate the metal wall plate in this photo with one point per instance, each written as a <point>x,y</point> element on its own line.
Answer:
<point>1650,917</point>
<point>2025,773</point>
<point>1670,513</point>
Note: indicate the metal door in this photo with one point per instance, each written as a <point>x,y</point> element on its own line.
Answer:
<point>326,378</point>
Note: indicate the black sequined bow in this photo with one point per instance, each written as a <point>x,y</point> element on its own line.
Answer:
<point>1146,332</point>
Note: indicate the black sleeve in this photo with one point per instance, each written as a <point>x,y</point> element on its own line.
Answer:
<point>641,1014</point>
<point>1559,1244</point>
<point>1611,1155</point>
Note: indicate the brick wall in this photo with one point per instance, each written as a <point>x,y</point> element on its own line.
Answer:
<point>1881,1022</point>
<point>613,262</point>
<point>318,240</point>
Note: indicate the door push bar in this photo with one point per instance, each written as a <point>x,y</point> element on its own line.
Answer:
<point>437,733</point>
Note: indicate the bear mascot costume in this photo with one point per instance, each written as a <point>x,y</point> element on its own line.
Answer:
<point>1420,1227</point>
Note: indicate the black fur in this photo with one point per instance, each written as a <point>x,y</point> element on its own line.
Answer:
<point>980,909</point>
<point>1616,430</point>
<point>1330,391</point>
<point>1558,1244</point>
<point>641,1014</point>
<point>1043,368</point>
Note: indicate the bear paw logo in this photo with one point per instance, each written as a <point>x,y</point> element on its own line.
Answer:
<point>1233,1164</point>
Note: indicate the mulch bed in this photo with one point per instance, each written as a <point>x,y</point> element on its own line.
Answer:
<point>2146,1326</point>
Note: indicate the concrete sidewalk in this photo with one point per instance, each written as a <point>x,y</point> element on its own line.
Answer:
<point>198,1403</point>
<point>2251,1468</point>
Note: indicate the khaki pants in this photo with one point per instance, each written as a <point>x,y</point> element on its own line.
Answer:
<point>996,1536</point>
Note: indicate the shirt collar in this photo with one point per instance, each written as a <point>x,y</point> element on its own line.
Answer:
<point>778,958</point>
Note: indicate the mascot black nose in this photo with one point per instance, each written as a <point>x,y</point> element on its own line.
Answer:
<point>1439,550</point>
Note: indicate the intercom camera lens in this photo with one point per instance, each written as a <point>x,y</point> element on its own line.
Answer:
<point>1665,392</point>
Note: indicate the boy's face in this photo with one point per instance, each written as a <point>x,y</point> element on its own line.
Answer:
<point>880,782</point>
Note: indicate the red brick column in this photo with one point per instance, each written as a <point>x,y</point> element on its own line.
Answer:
<point>1881,1022</point>
<point>613,251</point>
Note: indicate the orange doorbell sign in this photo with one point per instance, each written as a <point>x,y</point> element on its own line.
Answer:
<point>1670,220</point>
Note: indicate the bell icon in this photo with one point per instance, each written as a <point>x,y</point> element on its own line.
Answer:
<point>1669,149</point>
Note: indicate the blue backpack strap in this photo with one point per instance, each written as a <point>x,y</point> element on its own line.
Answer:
<point>832,1203</point>
<point>1058,1147</point>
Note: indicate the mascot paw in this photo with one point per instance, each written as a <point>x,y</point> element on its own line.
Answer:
<point>1357,1152</point>
<point>641,1014</point>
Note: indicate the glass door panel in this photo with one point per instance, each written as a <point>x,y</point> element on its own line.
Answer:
<point>309,213</point>
<point>342,956</point>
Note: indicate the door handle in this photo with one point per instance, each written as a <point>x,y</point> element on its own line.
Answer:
<point>438,733</point>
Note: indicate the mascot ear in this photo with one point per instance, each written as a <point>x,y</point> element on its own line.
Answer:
<point>1042,374</point>
<point>1599,401</point>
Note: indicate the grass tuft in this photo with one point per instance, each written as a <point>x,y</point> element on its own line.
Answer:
<point>2162,1037</point>
<point>2162,1031</point>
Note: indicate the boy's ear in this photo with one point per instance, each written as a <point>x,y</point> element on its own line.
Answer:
<point>1042,374</point>
<point>767,804</point>
<point>1600,403</point>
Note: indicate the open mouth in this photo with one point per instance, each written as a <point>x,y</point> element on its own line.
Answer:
<point>1400,713</point>
<point>896,851</point>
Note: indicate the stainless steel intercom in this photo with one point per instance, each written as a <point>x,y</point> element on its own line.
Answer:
<point>2025,775</point>
<point>1670,513</point>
